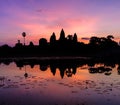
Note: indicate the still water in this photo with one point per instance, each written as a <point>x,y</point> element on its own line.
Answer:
<point>58,85</point>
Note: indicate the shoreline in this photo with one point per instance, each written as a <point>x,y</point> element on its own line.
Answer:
<point>46,58</point>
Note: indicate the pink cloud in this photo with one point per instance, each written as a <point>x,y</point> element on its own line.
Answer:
<point>43,22</point>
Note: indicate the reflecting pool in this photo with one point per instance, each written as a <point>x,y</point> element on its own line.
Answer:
<point>55,83</point>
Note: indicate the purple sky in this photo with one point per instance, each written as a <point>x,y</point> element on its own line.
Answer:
<point>39,18</point>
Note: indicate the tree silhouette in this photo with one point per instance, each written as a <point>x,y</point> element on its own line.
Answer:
<point>111,42</point>
<point>108,42</point>
<point>110,37</point>
<point>24,35</point>
<point>94,40</point>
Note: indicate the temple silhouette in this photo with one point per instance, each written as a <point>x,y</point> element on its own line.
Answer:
<point>98,47</point>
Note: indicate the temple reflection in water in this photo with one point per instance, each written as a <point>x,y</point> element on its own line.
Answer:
<point>65,66</point>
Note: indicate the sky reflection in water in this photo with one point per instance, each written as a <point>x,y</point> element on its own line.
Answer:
<point>43,88</point>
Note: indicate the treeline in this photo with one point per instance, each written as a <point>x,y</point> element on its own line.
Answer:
<point>98,47</point>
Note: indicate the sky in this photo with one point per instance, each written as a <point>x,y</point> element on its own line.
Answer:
<point>40,18</point>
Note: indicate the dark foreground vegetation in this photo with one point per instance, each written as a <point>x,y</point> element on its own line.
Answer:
<point>101,48</point>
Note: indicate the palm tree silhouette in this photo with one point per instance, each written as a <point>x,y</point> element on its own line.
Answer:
<point>24,35</point>
<point>26,74</point>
